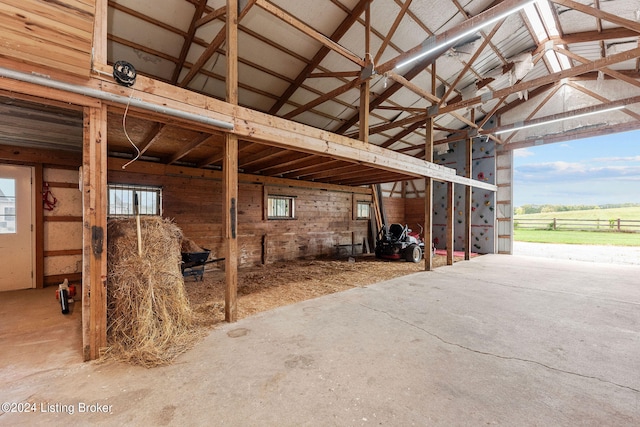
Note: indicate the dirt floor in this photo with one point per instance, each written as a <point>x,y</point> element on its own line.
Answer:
<point>262,288</point>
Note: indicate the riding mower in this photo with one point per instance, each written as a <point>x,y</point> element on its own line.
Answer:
<point>397,242</point>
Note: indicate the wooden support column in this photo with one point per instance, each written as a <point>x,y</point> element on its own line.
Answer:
<point>365,88</point>
<point>94,234</point>
<point>468,191</point>
<point>451,213</point>
<point>428,200</point>
<point>230,172</point>
<point>39,226</point>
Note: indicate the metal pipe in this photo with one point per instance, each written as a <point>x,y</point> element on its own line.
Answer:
<point>110,97</point>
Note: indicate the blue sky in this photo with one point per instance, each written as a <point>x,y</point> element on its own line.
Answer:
<point>592,171</point>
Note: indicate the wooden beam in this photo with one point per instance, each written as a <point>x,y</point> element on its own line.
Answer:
<point>365,87</point>
<point>471,61</point>
<point>567,114</point>
<point>188,39</point>
<point>342,29</point>
<point>305,29</point>
<point>211,16</point>
<point>160,169</point>
<point>213,47</point>
<point>192,145</point>
<point>94,258</point>
<point>392,30</point>
<point>451,213</point>
<point>468,191</point>
<point>230,172</point>
<point>428,199</point>
<point>551,78</point>
<point>594,36</point>
<point>600,14</point>
<point>38,176</point>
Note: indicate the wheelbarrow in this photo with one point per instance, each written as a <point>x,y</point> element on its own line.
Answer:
<point>193,263</point>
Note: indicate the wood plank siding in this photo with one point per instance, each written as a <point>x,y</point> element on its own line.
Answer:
<point>57,35</point>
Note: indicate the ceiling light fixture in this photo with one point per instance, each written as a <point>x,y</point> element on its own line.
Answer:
<point>577,116</point>
<point>449,42</point>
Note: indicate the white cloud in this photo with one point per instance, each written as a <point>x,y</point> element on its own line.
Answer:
<point>523,152</point>
<point>618,159</point>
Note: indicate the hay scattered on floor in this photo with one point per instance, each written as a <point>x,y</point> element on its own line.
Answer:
<point>149,319</point>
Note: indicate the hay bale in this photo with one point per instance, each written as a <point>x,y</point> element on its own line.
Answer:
<point>149,320</point>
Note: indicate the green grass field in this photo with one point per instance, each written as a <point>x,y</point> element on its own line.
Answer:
<point>578,237</point>
<point>630,213</point>
<point>582,237</point>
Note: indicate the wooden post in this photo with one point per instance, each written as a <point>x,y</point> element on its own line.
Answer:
<point>468,192</point>
<point>428,200</point>
<point>94,236</point>
<point>365,88</point>
<point>230,172</point>
<point>450,222</point>
<point>39,227</point>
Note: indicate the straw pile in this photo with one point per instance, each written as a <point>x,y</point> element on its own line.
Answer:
<point>149,320</point>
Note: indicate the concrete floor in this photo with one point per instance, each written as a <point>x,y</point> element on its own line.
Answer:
<point>499,340</point>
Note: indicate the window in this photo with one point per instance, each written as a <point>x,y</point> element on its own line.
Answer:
<point>122,200</point>
<point>280,207</point>
<point>363,210</point>
<point>7,206</point>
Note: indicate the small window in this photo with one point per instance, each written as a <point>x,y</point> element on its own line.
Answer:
<point>363,210</point>
<point>280,207</point>
<point>122,200</point>
<point>7,206</point>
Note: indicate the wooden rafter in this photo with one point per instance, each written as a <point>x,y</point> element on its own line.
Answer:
<point>419,66</point>
<point>392,30</point>
<point>213,47</point>
<point>519,87</point>
<point>304,28</point>
<point>342,29</point>
<point>569,114</point>
<point>188,40</point>
<point>602,99</point>
<point>192,145</point>
<point>600,14</point>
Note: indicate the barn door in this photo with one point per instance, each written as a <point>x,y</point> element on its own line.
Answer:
<point>16,228</point>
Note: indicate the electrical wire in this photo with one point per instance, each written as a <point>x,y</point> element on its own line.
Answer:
<point>124,128</point>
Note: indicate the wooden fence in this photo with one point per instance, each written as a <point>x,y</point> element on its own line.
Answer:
<point>615,225</point>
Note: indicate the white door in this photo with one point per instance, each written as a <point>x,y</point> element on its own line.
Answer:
<point>17,240</point>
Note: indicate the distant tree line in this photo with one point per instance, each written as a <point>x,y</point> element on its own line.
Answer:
<point>531,209</point>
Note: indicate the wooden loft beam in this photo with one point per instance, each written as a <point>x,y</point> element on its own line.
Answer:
<point>283,157</point>
<point>287,162</point>
<point>309,168</point>
<point>192,145</point>
<point>342,29</point>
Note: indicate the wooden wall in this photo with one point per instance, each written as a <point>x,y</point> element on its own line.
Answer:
<point>55,34</point>
<point>62,227</point>
<point>323,218</point>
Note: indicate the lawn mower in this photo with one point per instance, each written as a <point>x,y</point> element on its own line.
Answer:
<point>397,242</point>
